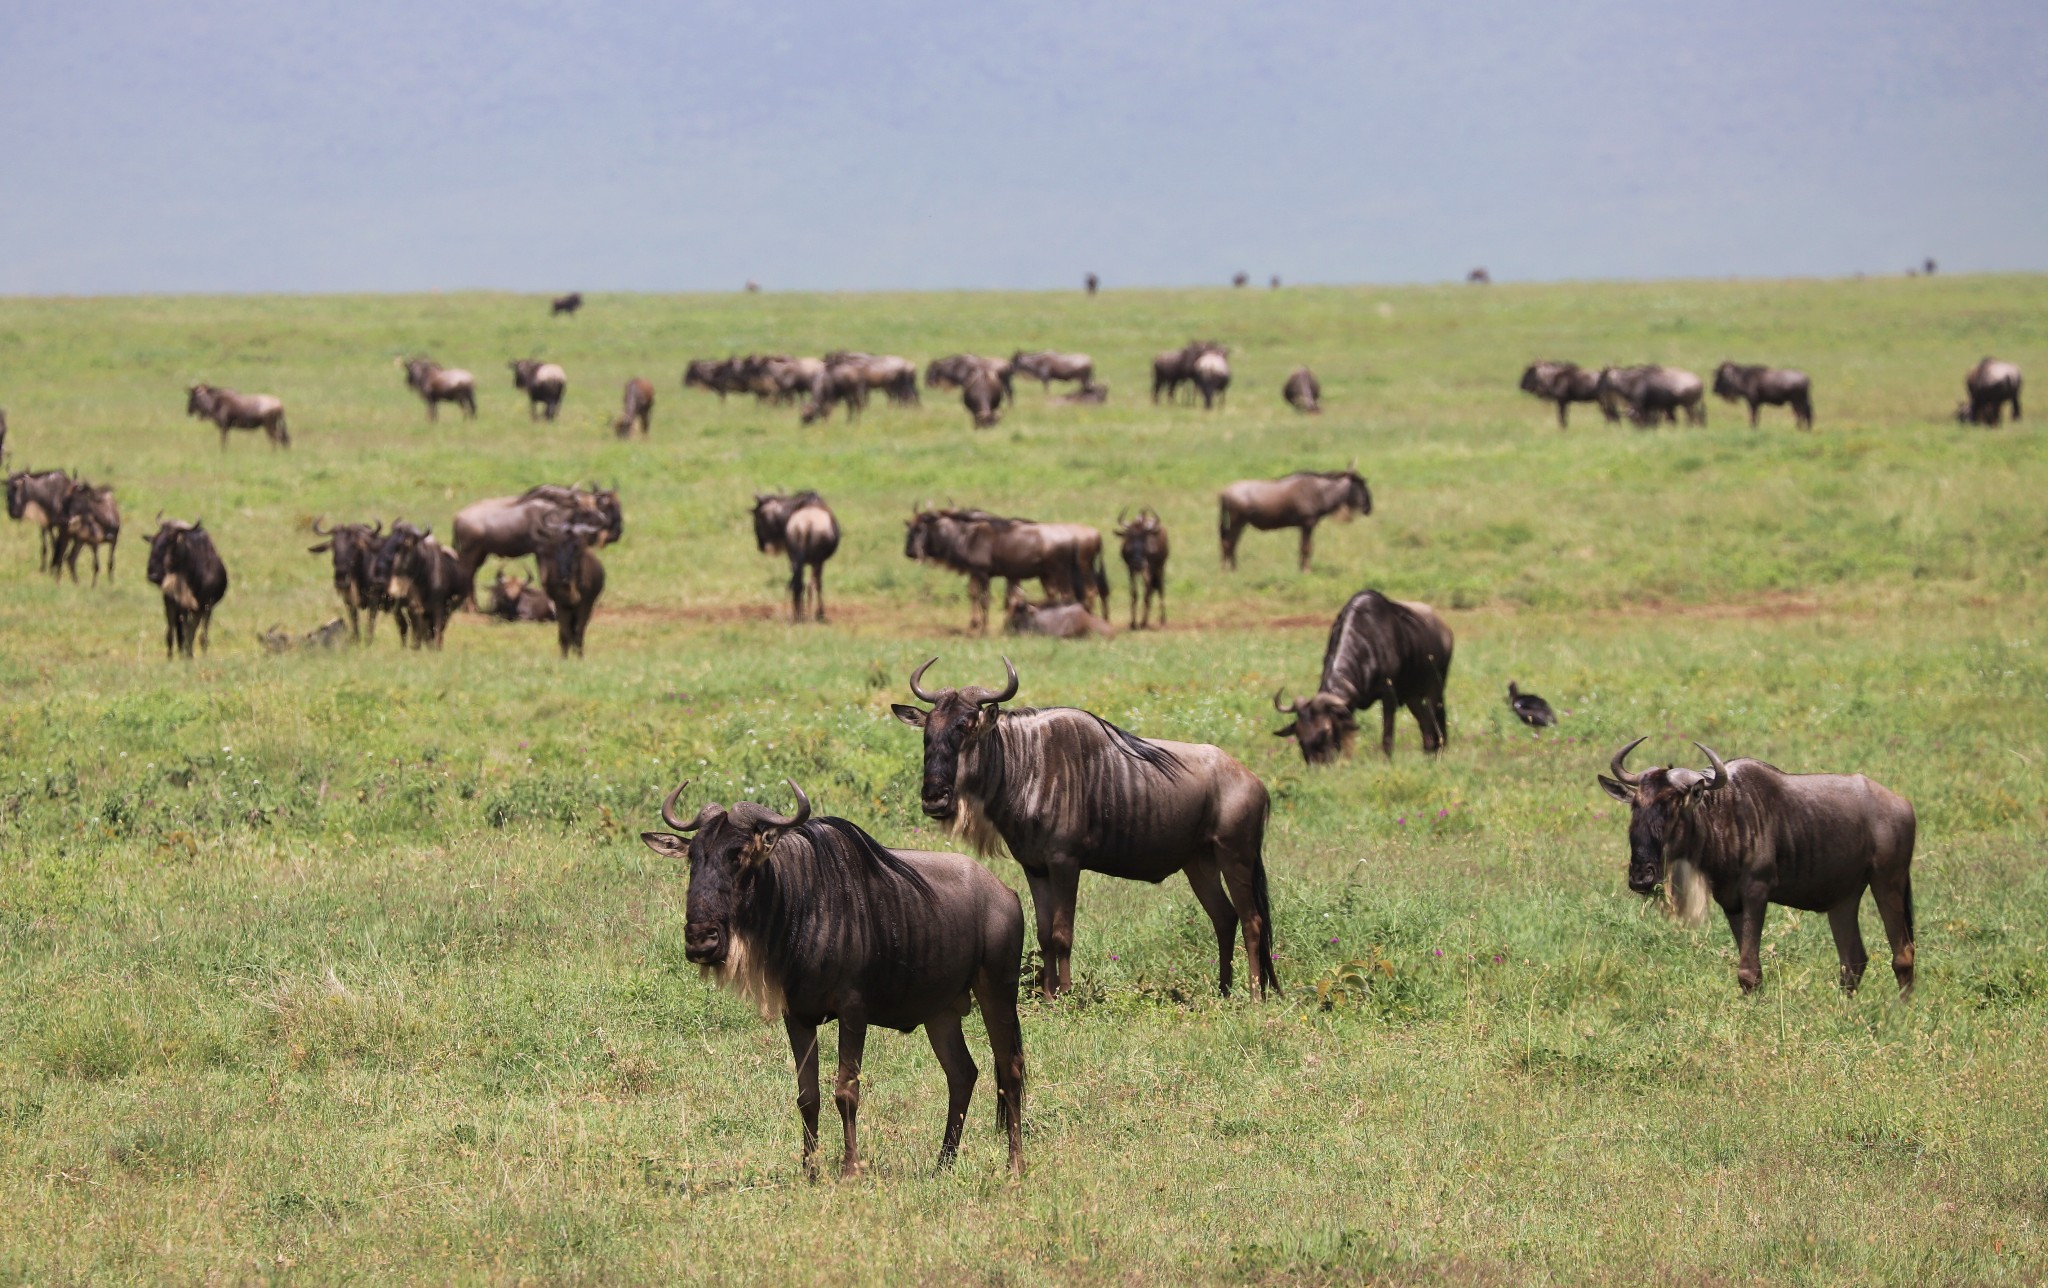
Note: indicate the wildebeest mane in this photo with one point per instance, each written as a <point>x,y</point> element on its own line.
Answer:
<point>1149,754</point>
<point>1356,652</point>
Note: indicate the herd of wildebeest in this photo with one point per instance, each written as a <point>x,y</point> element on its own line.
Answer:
<point>814,920</point>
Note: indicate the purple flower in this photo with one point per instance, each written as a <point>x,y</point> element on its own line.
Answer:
<point>1401,821</point>
<point>1333,939</point>
<point>1496,959</point>
<point>1443,813</point>
<point>1113,957</point>
<point>1439,952</point>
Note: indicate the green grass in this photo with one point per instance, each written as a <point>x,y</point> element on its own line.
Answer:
<point>353,967</point>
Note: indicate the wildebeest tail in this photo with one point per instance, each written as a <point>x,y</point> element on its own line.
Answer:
<point>1102,582</point>
<point>1267,974</point>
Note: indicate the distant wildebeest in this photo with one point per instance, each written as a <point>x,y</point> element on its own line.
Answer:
<point>1144,550</point>
<point>1301,500</point>
<point>1746,835</point>
<point>803,527</point>
<point>544,384</point>
<point>509,526</point>
<point>953,372</point>
<point>1048,366</point>
<point>1210,372</point>
<point>352,547</point>
<point>1393,652</point>
<point>279,640</point>
<point>1928,266</point>
<point>436,384</point>
<point>1273,283</point>
<point>1565,383</point>
<point>185,566</point>
<point>720,376</point>
<point>637,407</point>
<point>425,578</point>
<point>1778,386</point>
<point>813,920</point>
<point>1170,370</point>
<point>1067,792</point>
<point>515,599</point>
<point>1530,709</point>
<point>1991,385</point>
<point>1240,279</point>
<point>1093,396</point>
<point>571,574</point>
<point>1202,364</point>
<point>1066,558</point>
<point>565,304</point>
<point>1061,621</point>
<point>1479,276</point>
<point>895,377</point>
<point>1653,393</point>
<point>844,383</point>
<point>982,395</point>
<point>91,519</point>
<point>230,410</point>
<point>38,498</point>
<point>1303,391</point>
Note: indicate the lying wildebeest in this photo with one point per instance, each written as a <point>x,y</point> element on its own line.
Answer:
<point>1778,386</point>
<point>425,578</point>
<point>186,567</point>
<point>571,574</point>
<point>353,549</point>
<point>515,599</point>
<point>508,526</point>
<point>1303,391</point>
<point>803,527</point>
<point>1565,383</point>
<point>544,384</point>
<point>230,410</point>
<point>1991,385</point>
<point>813,920</point>
<point>279,640</point>
<point>1393,652</point>
<point>1092,396</point>
<point>1746,835</point>
<point>895,377</point>
<point>845,383</point>
<point>1049,366</point>
<point>90,519</point>
<point>1092,282</point>
<point>1068,792</point>
<point>1144,553</point>
<point>1061,621</point>
<point>1066,558</point>
<point>637,406</point>
<point>39,499</point>
<point>565,304</point>
<point>1301,500</point>
<point>436,384</point>
<point>1653,393</point>
<point>982,395</point>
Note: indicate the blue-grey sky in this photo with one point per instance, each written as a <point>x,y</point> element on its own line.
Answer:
<point>247,145</point>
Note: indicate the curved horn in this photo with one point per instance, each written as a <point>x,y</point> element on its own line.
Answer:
<point>1278,705</point>
<point>1720,778</point>
<point>1009,689</point>
<point>917,675</point>
<point>1121,512</point>
<point>319,531</point>
<point>1622,775</point>
<point>803,809</point>
<point>668,809</point>
<point>378,531</point>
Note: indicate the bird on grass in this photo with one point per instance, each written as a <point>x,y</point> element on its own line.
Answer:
<point>1530,709</point>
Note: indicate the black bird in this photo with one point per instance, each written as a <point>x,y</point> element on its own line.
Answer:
<point>1530,709</point>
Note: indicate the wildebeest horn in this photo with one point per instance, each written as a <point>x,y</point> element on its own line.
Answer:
<point>986,698</point>
<point>378,531</point>
<point>1278,705</point>
<point>803,809</point>
<point>1121,512</point>
<point>668,811</point>
<point>917,675</point>
<point>1720,778</point>
<point>319,531</point>
<point>1621,775</point>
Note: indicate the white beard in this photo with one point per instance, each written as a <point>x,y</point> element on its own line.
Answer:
<point>745,974</point>
<point>1687,893</point>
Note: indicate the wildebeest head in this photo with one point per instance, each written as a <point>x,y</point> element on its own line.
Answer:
<point>164,547</point>
<point>388,556</point>
<point>1657,799</point>
<point>957,718</point>
<point>1357,496</point>
<point>199,400</point>
<point>725,854</point>
<point>17,494</point>
<point>601,505</point>
<point>1323,726</point>
<point>353,544</point>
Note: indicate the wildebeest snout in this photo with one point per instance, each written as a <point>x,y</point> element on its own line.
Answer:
<point>704,943</point>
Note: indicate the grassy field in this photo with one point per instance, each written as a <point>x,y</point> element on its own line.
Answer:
<point>352,967</point>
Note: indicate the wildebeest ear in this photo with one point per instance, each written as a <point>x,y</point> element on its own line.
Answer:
<point>666,845</point>
<point>320,549</point>
<point>912,716</point>
<point>1618,790</point>
<point>1288,732</point>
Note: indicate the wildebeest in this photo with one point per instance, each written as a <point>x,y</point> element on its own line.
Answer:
<point>982,395</point>
<point>565,304</point>
<point>1061,621</point>
<point>844,383</point>
<point>1273,282</point>
<point>1301,500</point>
<point>1778,386</point>
<point>90,519</point>
<point>1240,279</point>
<point>895,377</point>
<point>1530,709</point>
<point>230,410</point>
<point>508,526</point>
<point>813,920</point>
<point>1393,652</point>
<point>279,640</point>
<point>1746,835</point>
<point>1066,558</point>
<point>1479,276</point>
<point>1068,792</point>
<point>1210,372</point>
<point>1565,383</point>
<point>1170,370</point>
<point>1144,550</point>
<point>1991,385</point>
<point>637,406</point>
<point>1092,282</point>
<point>953,371</point>
<point>38,498</point>
<point>436,384</point>
<point>515,599</point>
<point>720,376</point>
<point>185,566</point>
<point>1653,393</point>
<point>1303,391</point>
<point>424,579</point>
<point>544,384</point>
<point>803,527</point>
<point>352,548</point>
<point>571,573</point>
<point>1093,396</point>
<point>1049,366</point>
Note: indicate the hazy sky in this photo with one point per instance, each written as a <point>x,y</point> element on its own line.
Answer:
<point>247,145</point>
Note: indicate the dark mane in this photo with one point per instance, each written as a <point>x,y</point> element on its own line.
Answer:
<point>881,861</point>
<point>1400,633</point>
<point>1149,754</point>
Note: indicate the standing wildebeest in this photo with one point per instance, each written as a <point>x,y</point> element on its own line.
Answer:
<point>954,370</point>
<point>895,377</point>
<point>1747,835</point>
<point>720,376</point>
<point>515,599</point>
<point>803,527</point>
<point>1393,652</point>
<point>544,383</point>
<point>91,518</point>
<point>1240,279</point>
<point>1303,391</point>
<point>1565,383</point>
<point>571,574</point>
<point>565,304</point>
<point>982,395</point>
<point>508,526</point>
<point>1170,370</point>
<point>1653,393</point>
<point>1061,621</point>
<point>39,499</point>
<point>1093,283</point>
<point>1991,385</point>
<point>424,577</point>
<point>637,407</point>
<point>1300,500</point>
<point>1479,276</point>
<point>1778,386</point>
<point>1068,792</point>
<point>436,384</point>
<point>813,920</point>
<point>1066,558</point>
<point>1210,372</point>
<point>186,567</point>
<point>1048,366</point>
<point>1144,553</point>
<point>842,382</point>
<point>230,410</point>
<point>353,549</point>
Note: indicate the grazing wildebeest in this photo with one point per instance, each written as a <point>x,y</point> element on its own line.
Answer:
<point>1653,393</point>
<point>1170,370</point>
<point>637,407</point>
<point>1479,276</point>
<point>1778,386</point>
<point>803,527</point>
<point>845,383</point>
<point>91,518</point>
<point>1066,558</point>
<point>813,920</point>
<point>186,567</point>
<point>1061,621</point>
<point>1301,500</point>
<point>508,526</point>
<point>544,383</point>
<point>720,376</point>
<point>39,499</point>
<point>1210,372</point>
<point>230,410</point>
<point>565,304</point>
<point>1144,551</point>
<point>1746,835</point>
<point>1530,709</point>
<point>1068,792</point>
<point>1240,279</point>
<point>515,599</point>
<point>1303,391</point>
<point>436,384</point>
<point>982,395</point>
<point>571,574</point>
<point>1393,652</point>
<point>353,548</point>
<point>1049,366</point>
<point>424,577</point>
<point>1991,385</point>
<point>1565,383</point>
<point>1093,283</point>
<point>895,377</point>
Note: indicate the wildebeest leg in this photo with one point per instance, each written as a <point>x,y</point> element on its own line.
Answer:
<point>223,438</point>
<point>995,991</point>
<point>1894,897</point>
<point>1425,720</point>
<point>977,603</point>
<point>1308,542</point>
<point>818,590</point>
<point>853,1041</point>
<point>1063,876</point>
<point>1849,940</point>
<point>433,408</point>
<point>1752,413</point>
<point>1208,888</point>
<point>1747,921</point>
<point>1387,712</point>
<point>170,628</point>
<point>1134,601</point>
<point>1245,875</point>
<point>1162,602</point>
<point>1228,528</point>
<point>1562,413</point>
<point>468,405</point>
<point>205,628</point>
<point>949,1044</point>
<point>803,1048</point>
